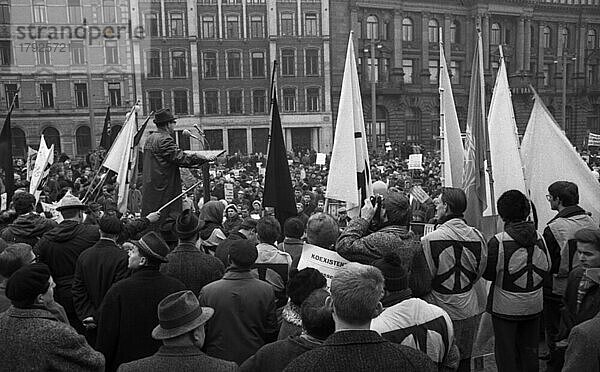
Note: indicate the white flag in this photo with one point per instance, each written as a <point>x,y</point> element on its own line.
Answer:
<point>45,156</point>
<point>31,155</point>
<point>349,176</point>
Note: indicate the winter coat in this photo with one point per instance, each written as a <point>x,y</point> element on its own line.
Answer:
<point>192,267</point>
<point>291,324</point>
<point>128,315</point>
<point>244,318</point>
<point>180,359</point>
<point>60,248</point>
<point>358,245</point>
<point>34,340</point>
<point>98,268</point>
<point>161,179</point>
<point>276,356</point>
<point>361,351</point>
<point>583,353</point>
<point>27,228</point>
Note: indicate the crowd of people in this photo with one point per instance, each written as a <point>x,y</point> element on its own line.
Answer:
<point>220,285</point>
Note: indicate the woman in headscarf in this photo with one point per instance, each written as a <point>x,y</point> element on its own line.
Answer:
<point>212,232</point>
<point>232,219</point>
<point>257,210</point>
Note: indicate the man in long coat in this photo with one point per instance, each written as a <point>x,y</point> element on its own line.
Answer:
<point>162,159</point>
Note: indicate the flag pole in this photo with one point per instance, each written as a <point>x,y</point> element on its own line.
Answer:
<point>179,196</point>
<point>442,114</point>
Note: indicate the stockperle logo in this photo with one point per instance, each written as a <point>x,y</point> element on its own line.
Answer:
<point>61,32</point>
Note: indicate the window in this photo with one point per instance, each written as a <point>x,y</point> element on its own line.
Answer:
<point>372,27</point>
<point>258,101</point>
<point>214,137</point>
<point>179,64</point>
<point>455,72</point>
<point>47,95</point>
<point>592,74</point>
<point>152,25</point>
<point>210,64</point>
<point>208,27</point>
<point>52,137</point>
<point>258,64</point>
<point>96,11</point>
<point>39,12</point>
<point>312,62</point>
<point>5,53</point>
<point>288,57</point>
<point>238,142</point>
<point>454,32</point>
<point>211,102</point>
<point>81,95</point>
<point>433,31</point>
<point>155,100</point>
<point>434,68</point>
<point>495,34</point>
<point>407,69</point>
<point>112,52</point>
<point>384,31</point>
<point>233,27</point>
<point>176,24</point>
<point>77,52</point>
<point>289,99</point>
<point>256,27</point>
<point>154,68</point>
<point>183,141</point>
<point>10,90</point>
<point>413,124</point>
<point>180,102</point>
<point>564,38</point>
<point>373,70</point>
<point>407,29</point>
<point>546,72</point>
<point>546,38</point>
<point>234,65</point>
<point>311,24</point>
<point>114,94</point>
<point>235,101</point>
<point>83,139</point>
<point>110,11</point>
<point>260,140</point>
<point>287,24</point>
<point>384,69</point>
<point>591,39</point>
<point>312,99</point>
<point>43,52</point>
<point>74,9</point>
<point>4,14</point>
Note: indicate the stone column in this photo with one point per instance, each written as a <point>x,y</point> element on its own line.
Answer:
<point>398,54</point>
<point>520,44</point>
<point>527,46</point>
<point>541,52</point>
<point>485,35</point>
<point>447,40</point>
<point>425,49</point>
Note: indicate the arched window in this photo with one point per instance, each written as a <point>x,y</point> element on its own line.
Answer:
<point>495,34</point>
<point>591,39</point>
<point>83,140</point>
<point>564,38</point>
<point>407,29</point>
<point>546,37</point>
<point>114,132</point>
<point>413,124</point>
<point>372,27</point>
<point>52,137</point>
<point>19,143</point>
<point>455,32</point>
<point>433,31</point>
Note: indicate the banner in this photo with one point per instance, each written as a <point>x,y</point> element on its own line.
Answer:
<point>418,193</point>
<point>324,260</point>
<point>30,165</point>
<point>320,159</point>
<point>593,139</point>
<point>229,192</point>
<point>415,161</point>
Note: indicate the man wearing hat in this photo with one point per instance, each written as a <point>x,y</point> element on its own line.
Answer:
<point>343,218</point>
<point>97,269</point>
<point>187,263</point>
<point>181,329</point>
<point>128,311</point>
<point>60,248</point>
<point>162,159</point>
<point>31,337</point>
<point>244,306</point>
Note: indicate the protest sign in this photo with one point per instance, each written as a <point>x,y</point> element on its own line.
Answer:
<point>229,192</point>
<point>415,161</point>
<point>320,158</point>
<point>593,139</point>
<point>326,261</point>
<point>51,208</point>
<point>418,193</point>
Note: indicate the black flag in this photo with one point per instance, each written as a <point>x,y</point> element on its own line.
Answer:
<point>106,139</point>
<point>6,156</point>
<point>278,183</point>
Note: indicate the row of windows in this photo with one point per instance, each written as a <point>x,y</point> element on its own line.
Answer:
<point>236,101</point>
<point>380,31</point>
<point>234,64</point>
<point>80,93</point>
<point>233,26</point>
<point>83,140</point>
<point>178,64</point>
<point>103,12</point>
<point>381,70</point>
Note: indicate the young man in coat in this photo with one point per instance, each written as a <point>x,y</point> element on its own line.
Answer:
<point>128,311</point>
<point>31,337</point>
<point>180,327</point>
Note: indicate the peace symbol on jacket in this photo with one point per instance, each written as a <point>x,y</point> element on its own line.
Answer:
<point>524,268</point>
<point>457,265</point>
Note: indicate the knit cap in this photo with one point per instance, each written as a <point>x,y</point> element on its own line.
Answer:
<point>27,283</point>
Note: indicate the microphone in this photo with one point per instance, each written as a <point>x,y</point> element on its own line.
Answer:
<point>199,130</point>
<point>187,133</point>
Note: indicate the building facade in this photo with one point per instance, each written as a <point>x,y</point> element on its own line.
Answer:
<point>542,42</point>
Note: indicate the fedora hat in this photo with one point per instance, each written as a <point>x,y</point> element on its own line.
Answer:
<point>70,201</point>
<point>153,245</point>
<point>163,116</point>
<point>187,223</point>
<point>179,313</point>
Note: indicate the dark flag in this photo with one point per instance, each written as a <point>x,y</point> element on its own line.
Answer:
<point>106,139</point>
<point>278,183</point>
<point>6,156</point>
